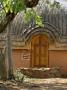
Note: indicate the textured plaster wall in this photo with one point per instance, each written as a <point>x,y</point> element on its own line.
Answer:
<point>19,59</point>
<point>58,58</point>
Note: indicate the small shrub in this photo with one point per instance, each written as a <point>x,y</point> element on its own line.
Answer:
<point>18,75</point>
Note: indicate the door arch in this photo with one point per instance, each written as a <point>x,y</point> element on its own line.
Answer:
<point>39,51</point>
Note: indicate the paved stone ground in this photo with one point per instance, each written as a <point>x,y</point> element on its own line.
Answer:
<point>35,84</point>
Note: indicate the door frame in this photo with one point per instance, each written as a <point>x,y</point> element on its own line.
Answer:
<point>34,36</point>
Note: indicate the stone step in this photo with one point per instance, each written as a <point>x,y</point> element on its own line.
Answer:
<point>41,72</point>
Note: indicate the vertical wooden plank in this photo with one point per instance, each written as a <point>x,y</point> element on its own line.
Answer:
<point>44,51</point>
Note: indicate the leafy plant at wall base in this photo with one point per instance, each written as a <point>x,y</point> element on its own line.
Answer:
<point>18,76</point>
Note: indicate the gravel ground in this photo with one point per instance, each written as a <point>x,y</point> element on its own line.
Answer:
<point>35,84</point>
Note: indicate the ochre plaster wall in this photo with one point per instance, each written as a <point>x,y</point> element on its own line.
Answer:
<point>18,60</point>
<point>58,58</point>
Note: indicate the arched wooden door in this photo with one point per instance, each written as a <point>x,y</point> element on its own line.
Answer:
<point>39,51</point>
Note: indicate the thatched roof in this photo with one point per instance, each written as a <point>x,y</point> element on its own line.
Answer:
<point>55,26</point>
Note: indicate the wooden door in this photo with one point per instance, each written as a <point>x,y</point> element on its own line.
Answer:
<point>39,51</point>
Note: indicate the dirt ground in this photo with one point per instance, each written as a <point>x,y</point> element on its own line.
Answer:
<point>35,84</point>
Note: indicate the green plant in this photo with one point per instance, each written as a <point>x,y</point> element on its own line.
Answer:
<point>18,75</point>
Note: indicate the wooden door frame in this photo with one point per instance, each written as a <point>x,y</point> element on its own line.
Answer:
<point>31,65</point>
